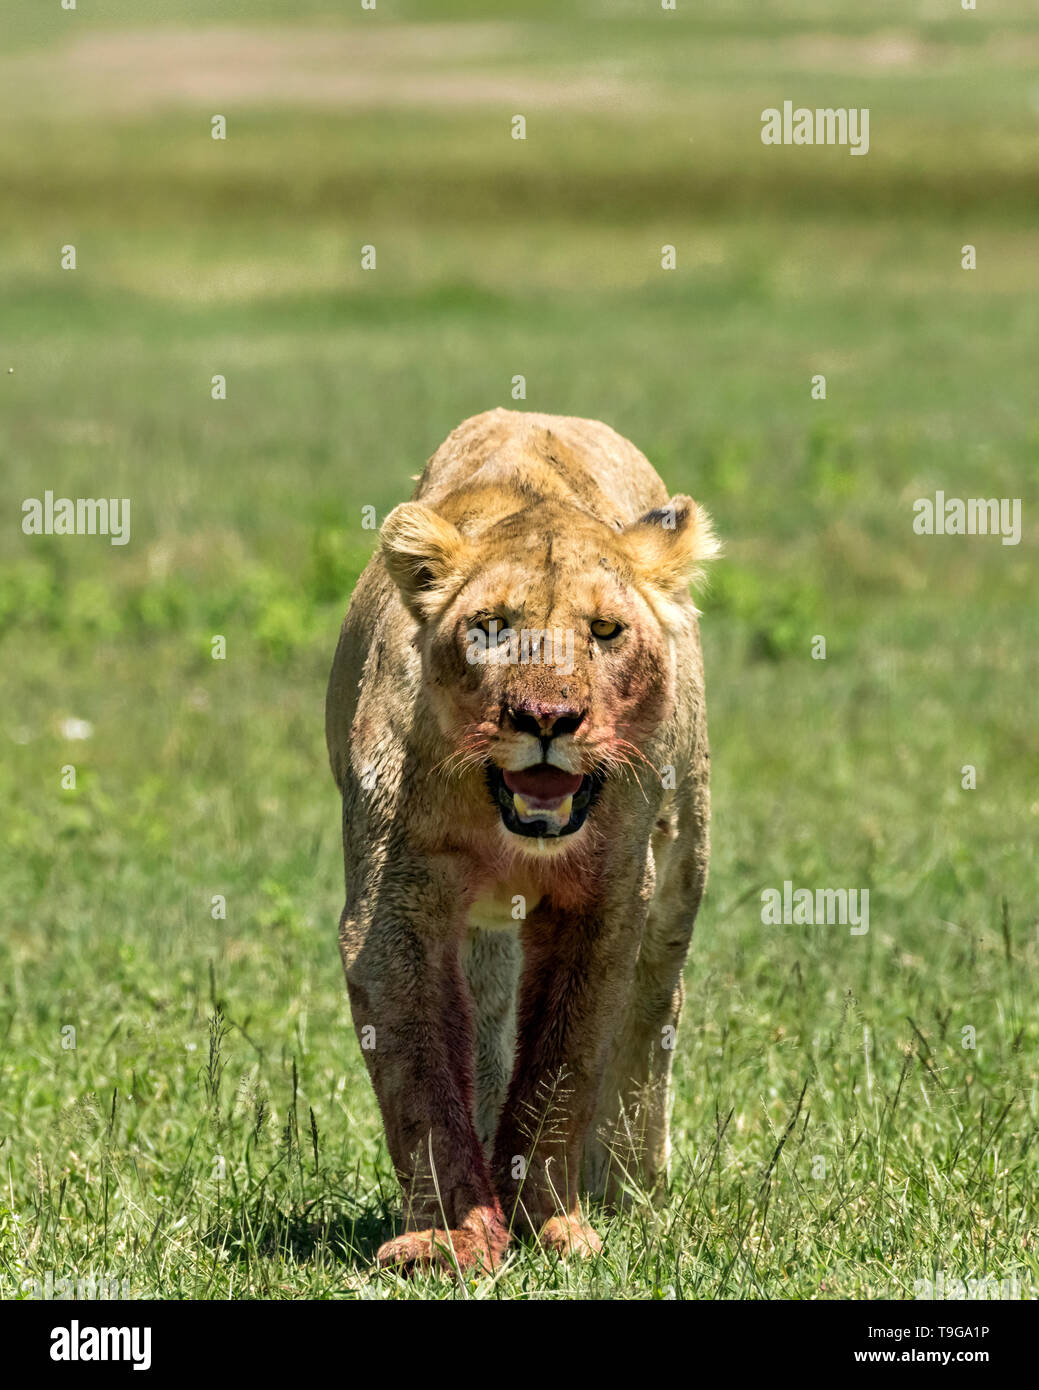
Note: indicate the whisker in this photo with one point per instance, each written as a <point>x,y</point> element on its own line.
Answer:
<point>618,758</point>
<point>626,743</point>
<point>471,752</point>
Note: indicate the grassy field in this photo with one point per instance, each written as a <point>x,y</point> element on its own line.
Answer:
<point>211,1133</point>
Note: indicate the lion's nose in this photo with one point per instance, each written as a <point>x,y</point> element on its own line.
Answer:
<point>544,721</point>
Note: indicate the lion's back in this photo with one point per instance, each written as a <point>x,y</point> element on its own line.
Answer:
<point>560,456</point>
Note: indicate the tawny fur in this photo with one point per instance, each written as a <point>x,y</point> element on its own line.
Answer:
<point>511,1057</point>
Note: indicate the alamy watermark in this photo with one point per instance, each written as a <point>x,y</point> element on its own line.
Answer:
<point>986,1287</point>
<point>971,516</point>
<point>825,906</point>
<point>527,647</point>
<point>77,516</point>
<point>89,1286</point>
<point>81,1342</point>
<point>79,1287</point>
<point>842,125</point>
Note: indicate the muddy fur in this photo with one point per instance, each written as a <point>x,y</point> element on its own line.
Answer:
<point>515,996</point>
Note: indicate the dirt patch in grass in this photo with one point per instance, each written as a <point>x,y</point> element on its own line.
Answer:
<point>515,66</point>
<point>144,70</point>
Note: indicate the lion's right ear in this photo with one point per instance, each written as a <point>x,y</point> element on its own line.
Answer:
<point>426,557</point>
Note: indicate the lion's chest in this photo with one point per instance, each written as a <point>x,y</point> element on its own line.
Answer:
<point>502,906</point>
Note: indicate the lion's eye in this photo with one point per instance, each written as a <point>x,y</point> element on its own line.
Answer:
<point>605,630</point>
<point>493,627</point>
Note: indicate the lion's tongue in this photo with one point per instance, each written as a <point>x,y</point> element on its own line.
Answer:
<point>543,793</point>
<point>543,784</point>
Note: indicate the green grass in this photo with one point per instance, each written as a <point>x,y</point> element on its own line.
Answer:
<point>197,1039</point>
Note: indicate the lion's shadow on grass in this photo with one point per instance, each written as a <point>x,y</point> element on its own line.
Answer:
<point>348,1232</point>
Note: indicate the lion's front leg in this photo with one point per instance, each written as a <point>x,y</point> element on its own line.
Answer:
<point>630,1137</point>
<point>575,972</point>
<point>411,1008</point>
<point>492,960</point>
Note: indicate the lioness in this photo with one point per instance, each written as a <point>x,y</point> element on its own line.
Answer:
<point>515,719</point>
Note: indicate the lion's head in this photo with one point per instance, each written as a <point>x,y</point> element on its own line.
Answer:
<point>546,643</point>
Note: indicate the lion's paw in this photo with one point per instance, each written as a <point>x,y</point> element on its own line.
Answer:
<point>464,1251</point>
<point>569,1235</point>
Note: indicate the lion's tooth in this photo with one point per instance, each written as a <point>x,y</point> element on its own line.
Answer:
<point>560,814</point>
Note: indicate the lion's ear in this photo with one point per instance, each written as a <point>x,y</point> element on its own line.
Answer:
<point>425,556</point>
<point>670,545</point>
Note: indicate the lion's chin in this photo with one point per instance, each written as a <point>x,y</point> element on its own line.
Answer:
<point>544,848</point>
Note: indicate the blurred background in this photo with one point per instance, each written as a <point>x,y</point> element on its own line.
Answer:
<point>498,258</point>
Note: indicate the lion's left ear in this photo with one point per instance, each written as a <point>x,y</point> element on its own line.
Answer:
<point>670,545</point>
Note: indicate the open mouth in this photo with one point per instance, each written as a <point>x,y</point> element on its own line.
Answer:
<point>543,800</point>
